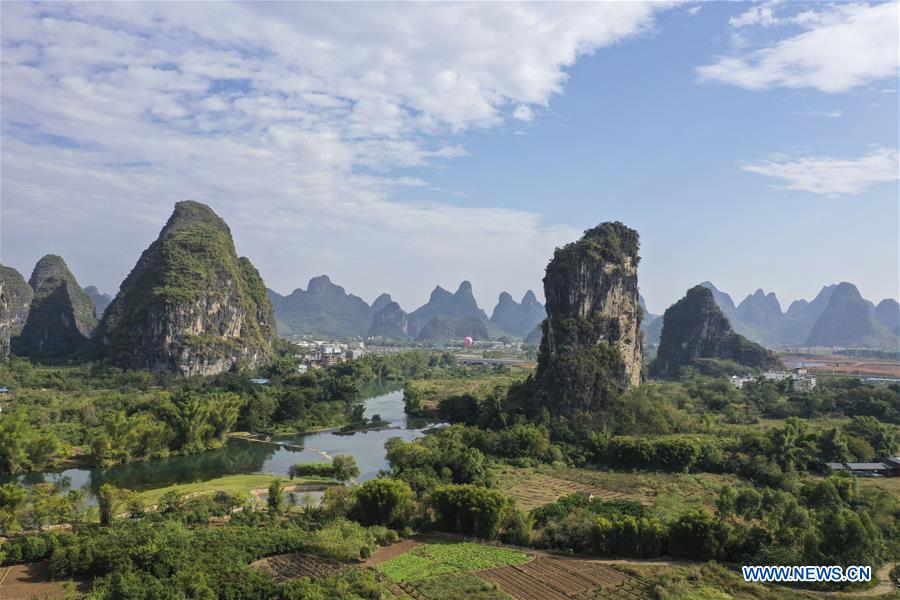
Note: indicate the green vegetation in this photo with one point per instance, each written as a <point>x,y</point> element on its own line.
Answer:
<point>236,485</point>
<point>705,480</point>
<point>385,502</point>
<point>102,415</point>
<point>342,468</point>
<point>193,256</point>
<point>453,586</point>
<point>469,510</point>
<point>696,334</point>
<point>443,558</point>
<point>61,315</point>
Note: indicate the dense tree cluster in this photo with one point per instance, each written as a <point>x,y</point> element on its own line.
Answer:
<point>114,416</point>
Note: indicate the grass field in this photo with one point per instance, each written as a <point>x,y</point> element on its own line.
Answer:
<point>432,391</point>
<point>233,484</point>
<point>434,559</point>
<point>667,494</point>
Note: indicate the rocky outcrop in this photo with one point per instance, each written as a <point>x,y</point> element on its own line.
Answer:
<point>591,346</point>
<point>61,316</point>
<point>443,329</point>
<point>389,322</point>
<point>101,300</point>
<point>190,305</point>
<point>15,299</point>
<point>695,330</point>
<point>460,305</point>
<point>518,318</point>
<point>849,321</point>
<point>323,309</point>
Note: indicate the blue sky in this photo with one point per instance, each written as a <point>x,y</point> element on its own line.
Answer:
<point>396,147</point>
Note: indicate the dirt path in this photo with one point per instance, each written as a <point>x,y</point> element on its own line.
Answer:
<point>885,586</point>
<point>386,553</point>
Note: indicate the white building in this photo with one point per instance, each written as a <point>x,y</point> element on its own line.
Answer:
<point>800,378</point>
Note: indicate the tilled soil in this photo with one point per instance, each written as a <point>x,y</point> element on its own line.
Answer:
<point>550,578</point>
<point>295,565</point>
<point>32,580</point>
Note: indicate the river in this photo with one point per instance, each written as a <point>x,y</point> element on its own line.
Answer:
<point>243,456</point>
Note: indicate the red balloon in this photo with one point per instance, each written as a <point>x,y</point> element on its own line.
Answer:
<point>468,341</point>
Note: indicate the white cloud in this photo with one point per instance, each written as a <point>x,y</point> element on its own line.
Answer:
<point>759,14</point>
<point>831,176</point>
<point>523,112</point>
<point>842,47</point>
<point>833,113</point>
<point>289,119</point>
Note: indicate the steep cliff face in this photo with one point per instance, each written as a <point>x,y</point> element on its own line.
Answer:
<point>389,322</point>
<point>61,317</point>
<point>694,328</point>
<point>15,299</point>
<point>591,345</point>
<point>518,318</point>
<point>190,305</point>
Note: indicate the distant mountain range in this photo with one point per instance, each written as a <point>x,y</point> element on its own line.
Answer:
<point>101,300</point>
<point>837,317</point>
<point>326,309</point>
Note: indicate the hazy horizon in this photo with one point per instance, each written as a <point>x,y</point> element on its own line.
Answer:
<point>398,147</point>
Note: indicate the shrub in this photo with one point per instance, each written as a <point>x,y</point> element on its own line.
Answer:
<point>322,469</point>
<point>343,540</point>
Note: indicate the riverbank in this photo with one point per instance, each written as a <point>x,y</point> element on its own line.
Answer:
<point>244,453</point>
<point>251,485</point>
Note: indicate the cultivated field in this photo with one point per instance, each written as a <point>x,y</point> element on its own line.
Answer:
<point>669,494</point>
<point>845,365</point>
<point>432,391</point>
<point>295,565</point>
<point>32,580</point>
<point>442,558</point>
<point>551,578</point>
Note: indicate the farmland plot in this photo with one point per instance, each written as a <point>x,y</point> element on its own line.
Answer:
<point>295,565</point>
<point>550,578</point>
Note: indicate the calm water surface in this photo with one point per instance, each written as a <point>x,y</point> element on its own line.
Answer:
<point>240,456</point>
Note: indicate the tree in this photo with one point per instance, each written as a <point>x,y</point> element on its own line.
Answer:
<point>275,499</point>
<point>345,467</point>
<point>697,535</point>
<point>387,502</point>
<point>469,509</point>
<point>14,432</point>
<point>77,508</point>
<point>12,498</point>
<point>110,500</point>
